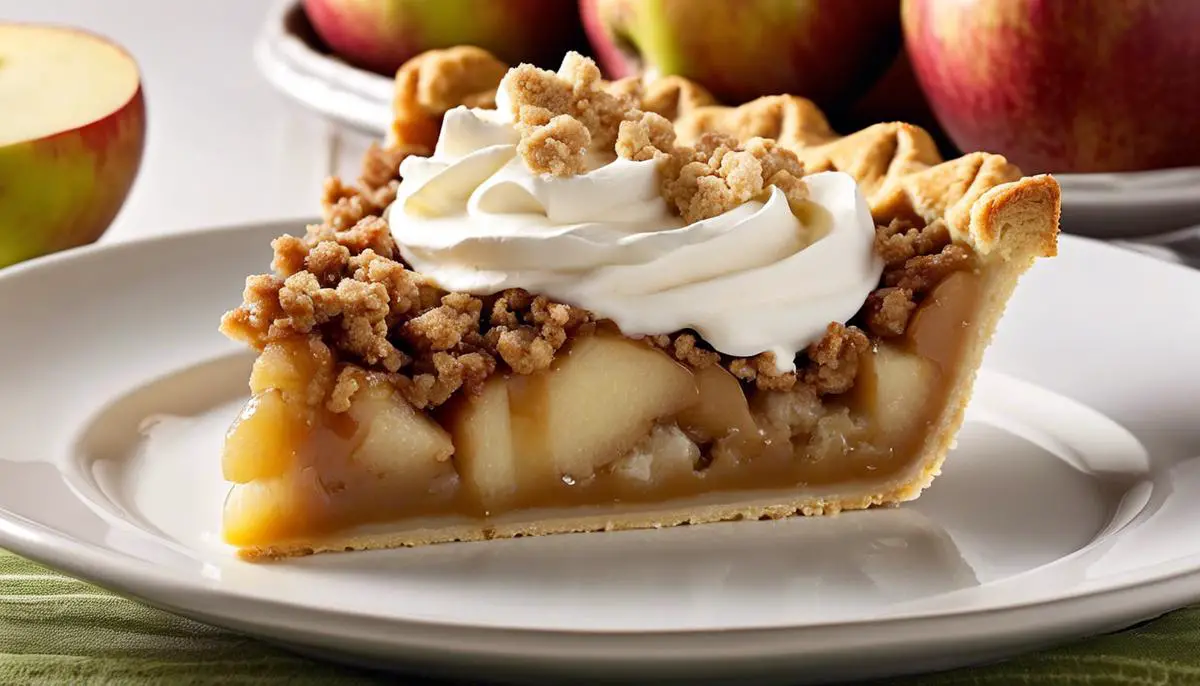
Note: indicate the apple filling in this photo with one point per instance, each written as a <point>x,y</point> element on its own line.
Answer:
<point>612,420</point>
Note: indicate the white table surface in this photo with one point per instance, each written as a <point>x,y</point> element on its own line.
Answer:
<point>222,147</point>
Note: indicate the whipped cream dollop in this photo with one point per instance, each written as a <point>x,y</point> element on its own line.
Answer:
<point>761,277</point>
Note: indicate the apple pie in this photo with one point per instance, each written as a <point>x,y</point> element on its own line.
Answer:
<point>555,303</point>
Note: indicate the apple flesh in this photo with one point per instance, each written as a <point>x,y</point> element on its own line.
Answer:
<point>523,434</point>
<point>72,129</point>
<point>829,51</point>
<point>1063,86</point>
<point>381,35</point>
<point>893,388</point>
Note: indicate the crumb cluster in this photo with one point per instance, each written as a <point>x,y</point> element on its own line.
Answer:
<point>563,116</point>
<point>716,174</point>
<point>916,259</point>
<point>343,284</point>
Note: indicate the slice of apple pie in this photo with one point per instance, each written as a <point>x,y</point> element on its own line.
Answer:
<point>559,304</point>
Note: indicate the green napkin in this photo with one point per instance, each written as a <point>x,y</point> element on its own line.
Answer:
<point>58,630</point>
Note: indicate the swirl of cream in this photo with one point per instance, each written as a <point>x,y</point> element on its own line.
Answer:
<point>761,277</point>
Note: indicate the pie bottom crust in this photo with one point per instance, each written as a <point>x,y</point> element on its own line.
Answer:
<point>1009,226</point>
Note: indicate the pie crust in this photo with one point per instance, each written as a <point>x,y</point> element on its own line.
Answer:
<point>1000,221</point>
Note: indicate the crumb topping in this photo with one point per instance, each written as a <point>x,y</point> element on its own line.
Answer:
<point>830,368</point>
<point>718,175</point>
<point>344,287</point>
<point>557,146</point>
<point>348,288</point>
<point>687,348</point>
<point>887,311</point>
<point>564,115</point>
<point>572,101</point>
<point>916,258</point>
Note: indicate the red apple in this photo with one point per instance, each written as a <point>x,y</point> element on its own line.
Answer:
<point>1063,85</point>
<point>72,127</point>
<point>381,35</point>
<point>829,51</point>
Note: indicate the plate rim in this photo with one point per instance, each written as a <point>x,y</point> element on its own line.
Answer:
<point>60,550</point>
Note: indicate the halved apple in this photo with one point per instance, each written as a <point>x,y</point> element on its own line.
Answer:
<point>72,129</point>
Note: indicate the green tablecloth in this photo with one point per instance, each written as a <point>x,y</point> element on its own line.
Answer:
<point>58,630</point>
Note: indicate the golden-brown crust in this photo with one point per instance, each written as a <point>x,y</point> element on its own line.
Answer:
<point>670,96</point>
<point>792,121</point>
<point>432,83</point>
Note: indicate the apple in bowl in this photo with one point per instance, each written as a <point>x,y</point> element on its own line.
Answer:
<point>829,51</point>
<point>1063,86</point>
<point>381,35</point>
<point>72,129</point>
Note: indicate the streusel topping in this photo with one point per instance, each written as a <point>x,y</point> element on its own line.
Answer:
<point>563,116</point>
<point>345,282</point>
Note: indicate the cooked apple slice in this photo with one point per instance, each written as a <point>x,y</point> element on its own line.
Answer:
<point>292,366</point>
<point>893,388</point>
<point>397,441</point>
<point>482,430</point>
<point>271,508</point>
<point>936,329</point>
<point>262,442</point>
<point>483,447</point>
<point>598,402</point>
<point>721,412</point>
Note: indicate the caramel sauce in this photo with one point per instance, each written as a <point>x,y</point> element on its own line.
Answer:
<point>326,489</point>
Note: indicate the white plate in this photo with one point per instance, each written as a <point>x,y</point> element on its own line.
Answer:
<point>1068,507</point>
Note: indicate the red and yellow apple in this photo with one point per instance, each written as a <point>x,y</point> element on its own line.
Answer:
<point>380,35</point>
<point>1063,86</point>
<point>72,127</point>
<point>829,51</point>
